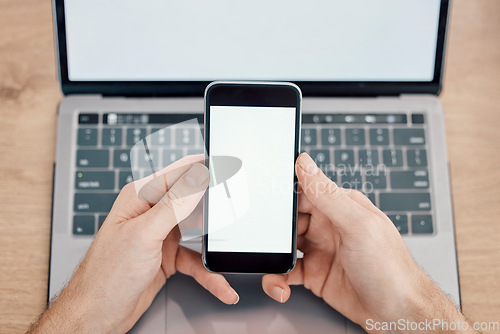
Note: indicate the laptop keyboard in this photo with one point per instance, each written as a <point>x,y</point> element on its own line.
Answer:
<point>382,155</point>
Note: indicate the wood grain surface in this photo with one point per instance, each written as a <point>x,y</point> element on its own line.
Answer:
<point>29,94</point>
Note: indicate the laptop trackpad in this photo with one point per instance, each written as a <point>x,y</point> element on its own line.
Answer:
<point>190,309</point>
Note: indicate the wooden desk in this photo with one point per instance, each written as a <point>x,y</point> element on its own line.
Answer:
<point>29,94</point>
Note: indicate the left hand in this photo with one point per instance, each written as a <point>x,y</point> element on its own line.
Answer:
<point>134,253</point>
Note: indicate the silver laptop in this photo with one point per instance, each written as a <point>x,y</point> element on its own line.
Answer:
<point>370,72</point>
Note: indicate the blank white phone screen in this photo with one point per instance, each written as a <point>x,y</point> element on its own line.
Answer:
<point>257,216</point>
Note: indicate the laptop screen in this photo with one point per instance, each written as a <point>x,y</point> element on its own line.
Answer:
<point>292,40</point>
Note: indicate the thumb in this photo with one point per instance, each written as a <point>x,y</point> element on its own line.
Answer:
<point>327,197</point>
<point>178,202</point>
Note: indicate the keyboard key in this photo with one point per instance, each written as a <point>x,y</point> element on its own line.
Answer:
<point>149,161</point>
<point>417,118</point>
<point>121,159</point>
<point>184,137</point>
<point>321,157</point>
<point>379,136</point>
<point>355,136</point>
<point>368,157</point>
<point>344,158</point>
<point>405,201</point>
<point>88,118</point>
<point>354,119</point>
<point>401,222</point>
<point>92,158</point>
<point>309,137</point>
<point>112,137</point>
<point>351,180</point>
<point>94,202</point>
<point>160,137</point>
<point>125,177</point>
<point>134,135</point>
<point>87,137</point>
<point>421,224</point>
<point>100,220</point>
<point>410,179</point>
<point>83,225</point>
<point>114,118</point>
<point>94,180</point>
<point>393,158</point>
<point>170,156</point>
<point>375,180</point>
<point>409,137</point>
<point>417,158</point>
<point>330,137</point>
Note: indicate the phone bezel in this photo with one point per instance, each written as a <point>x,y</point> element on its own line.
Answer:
<point>258,94</point>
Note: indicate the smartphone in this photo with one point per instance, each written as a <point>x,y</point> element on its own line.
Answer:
<point>252,138</point>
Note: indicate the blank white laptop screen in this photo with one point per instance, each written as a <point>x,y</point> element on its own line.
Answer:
<point>295,40</point>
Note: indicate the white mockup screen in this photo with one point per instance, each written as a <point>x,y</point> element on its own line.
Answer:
<point>281,40</point>
<point>257,216</point>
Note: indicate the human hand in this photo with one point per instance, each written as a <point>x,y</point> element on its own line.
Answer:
<point>355,259</point>
<point>134,253</point>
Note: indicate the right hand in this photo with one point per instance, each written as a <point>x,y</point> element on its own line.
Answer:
<point>354,258</point>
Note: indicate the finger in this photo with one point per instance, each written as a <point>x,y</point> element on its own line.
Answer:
<point>305,205</point>
<point>278,286</point>
<point>302,244</point>
<point>134,201</point>
<point>316,221</point>
<point>193,223</point>
<point>189,263</point>
<point>152,188</point>
<point>199,220</point>
<point>327,197</point>
<point>303,223</point>
<point>178,202</point>
<point>362,200</point>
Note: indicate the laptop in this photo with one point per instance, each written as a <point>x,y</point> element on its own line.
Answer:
<point>370,73</point>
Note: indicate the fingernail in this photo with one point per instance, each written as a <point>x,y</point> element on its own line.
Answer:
<point>278,293</point>
<point>238,298</point>
<point>307,164</point>
<point>197,175</point>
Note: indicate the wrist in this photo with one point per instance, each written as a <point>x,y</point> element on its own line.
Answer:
<point>418,307</point>
<point>73,311</point>
<point>430,306</point>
